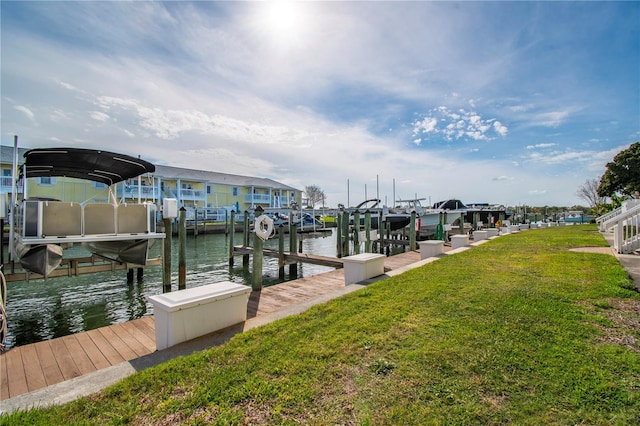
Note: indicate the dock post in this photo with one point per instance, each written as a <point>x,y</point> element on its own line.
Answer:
<point>388,226</point>
<point>129,275</point>
<point>232,231</point>
<point>166,255</point>
<point>293,243</point>
<point>195,224</point>
<point>182,249</point>
<point>356,232</point>
<point>226,222</point>
<point>257,263</point>
<point>245,239</point>
<point>412,232</point>
<point>339,235</point>
<point>345,233</point>
<point>281,251</point>
<point>367,231</point>
<point>140,274</point>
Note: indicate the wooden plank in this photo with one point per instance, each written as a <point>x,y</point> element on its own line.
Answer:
<point>80,357</point>
<point>105,346</point>
<point>15,373</point>
<point>116,343</point>
<point>65,361</point>
<point>4,379</point>
<point>33,370</point>
<point>50,369</point>
<point>149,344</point>
<point>135,346</point>
<point>93,352</point>
<point>148,330</point>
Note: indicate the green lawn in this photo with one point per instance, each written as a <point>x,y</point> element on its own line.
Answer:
<point>519,330</point>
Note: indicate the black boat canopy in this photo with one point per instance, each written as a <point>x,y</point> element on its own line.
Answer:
<point>96,165</point>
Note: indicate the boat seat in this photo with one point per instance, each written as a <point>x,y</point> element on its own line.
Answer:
<point>132,218</point>
<point>60,219</point>
<point>99,218</point>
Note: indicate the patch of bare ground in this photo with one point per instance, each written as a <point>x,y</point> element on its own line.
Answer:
<point>601,250</point>
<point>624,315</point>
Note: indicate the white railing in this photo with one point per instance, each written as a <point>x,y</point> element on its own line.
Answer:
<point>625,231</point>
<point>629,207</point>
<point>606,217</point>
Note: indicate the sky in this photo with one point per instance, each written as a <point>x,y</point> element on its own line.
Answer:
<point>501,102</point>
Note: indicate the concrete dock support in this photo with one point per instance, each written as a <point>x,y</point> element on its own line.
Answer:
<point>431,248</point>
<point>458,241</point>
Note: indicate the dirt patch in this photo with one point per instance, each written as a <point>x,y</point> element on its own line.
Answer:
<point>601,250</point>
<point>624,315</point>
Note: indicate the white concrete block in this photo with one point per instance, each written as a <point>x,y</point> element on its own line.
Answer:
<point>360,267</point>
<point>458,241</point>
<point>430,248</point>
<point>492,232</point>
<point>480,235</point>
<point>183,315</point>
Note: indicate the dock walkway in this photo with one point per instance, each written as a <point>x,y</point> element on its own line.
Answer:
<point>51,369</point>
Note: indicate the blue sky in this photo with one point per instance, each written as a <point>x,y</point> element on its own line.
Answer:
<point>500,102</point>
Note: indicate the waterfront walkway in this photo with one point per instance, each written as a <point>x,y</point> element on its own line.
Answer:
<point>59,370</point>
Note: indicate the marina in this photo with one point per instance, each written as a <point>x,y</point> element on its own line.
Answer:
<point>37,365</point>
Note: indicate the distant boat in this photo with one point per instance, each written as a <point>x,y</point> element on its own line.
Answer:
<point>484,212</point>
<point>395,220</point>
<point>118,232</point>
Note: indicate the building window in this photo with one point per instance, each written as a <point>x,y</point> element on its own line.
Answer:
<point>234,191</point>
<point>99,185</point>
<point>47,180</point>
<point>209,190</point>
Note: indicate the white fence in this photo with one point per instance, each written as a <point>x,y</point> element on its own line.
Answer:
<point>625,223</point>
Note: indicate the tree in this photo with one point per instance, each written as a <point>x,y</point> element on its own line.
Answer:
<point>623,173</point>
<point>588,191</point>
<point>314,194</point>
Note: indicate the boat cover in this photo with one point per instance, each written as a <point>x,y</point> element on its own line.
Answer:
<point>96,165</point>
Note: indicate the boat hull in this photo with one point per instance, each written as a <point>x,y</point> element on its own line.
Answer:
<point>40,259</point>
<point>126,251</point>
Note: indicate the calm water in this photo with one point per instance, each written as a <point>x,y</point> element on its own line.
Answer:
<point>43,309</point>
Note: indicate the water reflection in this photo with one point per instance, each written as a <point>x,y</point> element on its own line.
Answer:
<point>42,309</point>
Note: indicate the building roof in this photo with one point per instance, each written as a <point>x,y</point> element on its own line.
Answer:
<point>169,172</point>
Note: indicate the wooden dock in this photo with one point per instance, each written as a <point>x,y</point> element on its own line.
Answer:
<point>293,257</point>
<point>35,366</point>
<point>78,266</point>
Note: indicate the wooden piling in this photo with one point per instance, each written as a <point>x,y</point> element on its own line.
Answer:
<point>246,239</point>
<point>281,251</point>
<point>339,235</point>
<point>258,245</point>
<point>166,255</point>
<point>231,235</point>
<point>356,232</point>
<point>412,232</point>
<point>293,243</point>
<point>182,248</point>
<point>345,233</point>
<point>367,231</point>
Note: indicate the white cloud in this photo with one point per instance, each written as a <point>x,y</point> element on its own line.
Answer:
<point>26,111</point>
<point>537,191</point>
<point>99,116</point>
<point>460,124</point>
<point>541,145</point>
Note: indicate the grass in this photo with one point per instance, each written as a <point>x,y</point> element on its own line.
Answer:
<point>519,330</point>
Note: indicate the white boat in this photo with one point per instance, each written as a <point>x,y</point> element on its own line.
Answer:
<point>429,217</point>
<point>118,232</point>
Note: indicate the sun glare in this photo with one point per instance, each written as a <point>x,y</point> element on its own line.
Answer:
<point>284,19</point>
